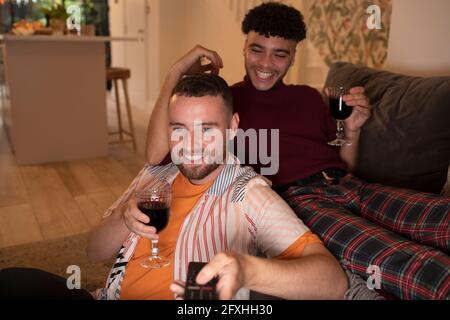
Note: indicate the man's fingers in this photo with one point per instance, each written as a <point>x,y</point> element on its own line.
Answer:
<point>220,60</point>
<point>144,231</point>
<point>212,56</point>
<point>207,67</point>
<point>210,67</point>
<point>142,228</point>
<point>356,90</point>
<point>191,62</point>
<point>207,273</point>
<point>364,103</point>
<point>149,236</point>
<point>226,288</point>
<point>138,215</point>
<point>134,211</point>
<point>226,266</point>
<point>137,226</point>
<point>354,96</point>
<point>212,269</point>
<point>177,288</point>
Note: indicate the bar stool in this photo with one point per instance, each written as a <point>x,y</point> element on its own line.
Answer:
<point>116,74</point>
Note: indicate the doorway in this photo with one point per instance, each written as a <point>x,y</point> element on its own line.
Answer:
<point>129,19</point>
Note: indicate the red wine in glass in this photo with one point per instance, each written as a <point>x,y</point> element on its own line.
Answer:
<point>158,212</point>
<point>339,109</point>
<point>154,201</point>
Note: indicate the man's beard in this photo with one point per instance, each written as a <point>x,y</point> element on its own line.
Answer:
<point>197,172</point>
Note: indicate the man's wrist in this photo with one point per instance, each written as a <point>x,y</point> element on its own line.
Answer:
<point>174,72</point>
<point>123,222</point>
<point>249,267</point>
<point>352,135</point>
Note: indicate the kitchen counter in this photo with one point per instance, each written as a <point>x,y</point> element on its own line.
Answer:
<point>54,99</point>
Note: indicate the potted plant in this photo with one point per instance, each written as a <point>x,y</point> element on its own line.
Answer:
<point>56,17</point>
<point>90,17</point>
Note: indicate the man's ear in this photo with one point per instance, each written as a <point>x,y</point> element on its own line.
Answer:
<point>234,125</point>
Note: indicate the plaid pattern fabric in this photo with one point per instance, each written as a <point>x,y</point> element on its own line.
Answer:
<point>422,217</point>
<point>409,270</point>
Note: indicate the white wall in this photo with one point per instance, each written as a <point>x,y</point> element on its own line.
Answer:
<point>116,16</point>
<point>172,33</point>
<point>419,41</point>
<point>130,19</point>
<point>153,59</point>
<point>215,25</point>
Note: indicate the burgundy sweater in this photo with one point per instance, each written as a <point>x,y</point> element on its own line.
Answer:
<point>304,124</point>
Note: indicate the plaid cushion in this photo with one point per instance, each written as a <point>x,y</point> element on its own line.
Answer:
<point>408,270</point>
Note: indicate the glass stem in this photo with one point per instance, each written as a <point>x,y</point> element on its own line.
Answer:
<point>155,249</point>
<point>340,130</point>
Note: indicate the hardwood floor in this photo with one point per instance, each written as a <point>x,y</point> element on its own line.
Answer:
<point>52,200</point>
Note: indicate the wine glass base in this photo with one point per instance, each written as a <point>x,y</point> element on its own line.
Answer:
<point>337,143</point>
<point>155,262</point>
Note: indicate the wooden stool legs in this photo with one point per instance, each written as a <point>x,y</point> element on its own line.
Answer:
<point>128,107</point>
<point>119,114</point>
<point>121,131</point>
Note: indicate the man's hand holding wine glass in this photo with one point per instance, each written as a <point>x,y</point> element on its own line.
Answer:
<point>136,221</point>
<point>361,110</point>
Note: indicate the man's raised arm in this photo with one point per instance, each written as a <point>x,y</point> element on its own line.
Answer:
<point>157,146</point>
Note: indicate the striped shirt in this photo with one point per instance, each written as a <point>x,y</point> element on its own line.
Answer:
<point>239,212</point>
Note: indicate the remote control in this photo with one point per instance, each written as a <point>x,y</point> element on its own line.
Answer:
<point>194,291</point>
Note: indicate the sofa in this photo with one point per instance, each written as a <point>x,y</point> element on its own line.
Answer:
<point>405,144</point>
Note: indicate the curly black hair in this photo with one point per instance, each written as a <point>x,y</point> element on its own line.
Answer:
<point>274,19</point>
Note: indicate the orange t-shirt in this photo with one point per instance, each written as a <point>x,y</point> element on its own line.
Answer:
<point>153,284</point>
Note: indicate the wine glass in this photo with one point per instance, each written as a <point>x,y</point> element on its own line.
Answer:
<point>339,110</point>
<point>154,201</point>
